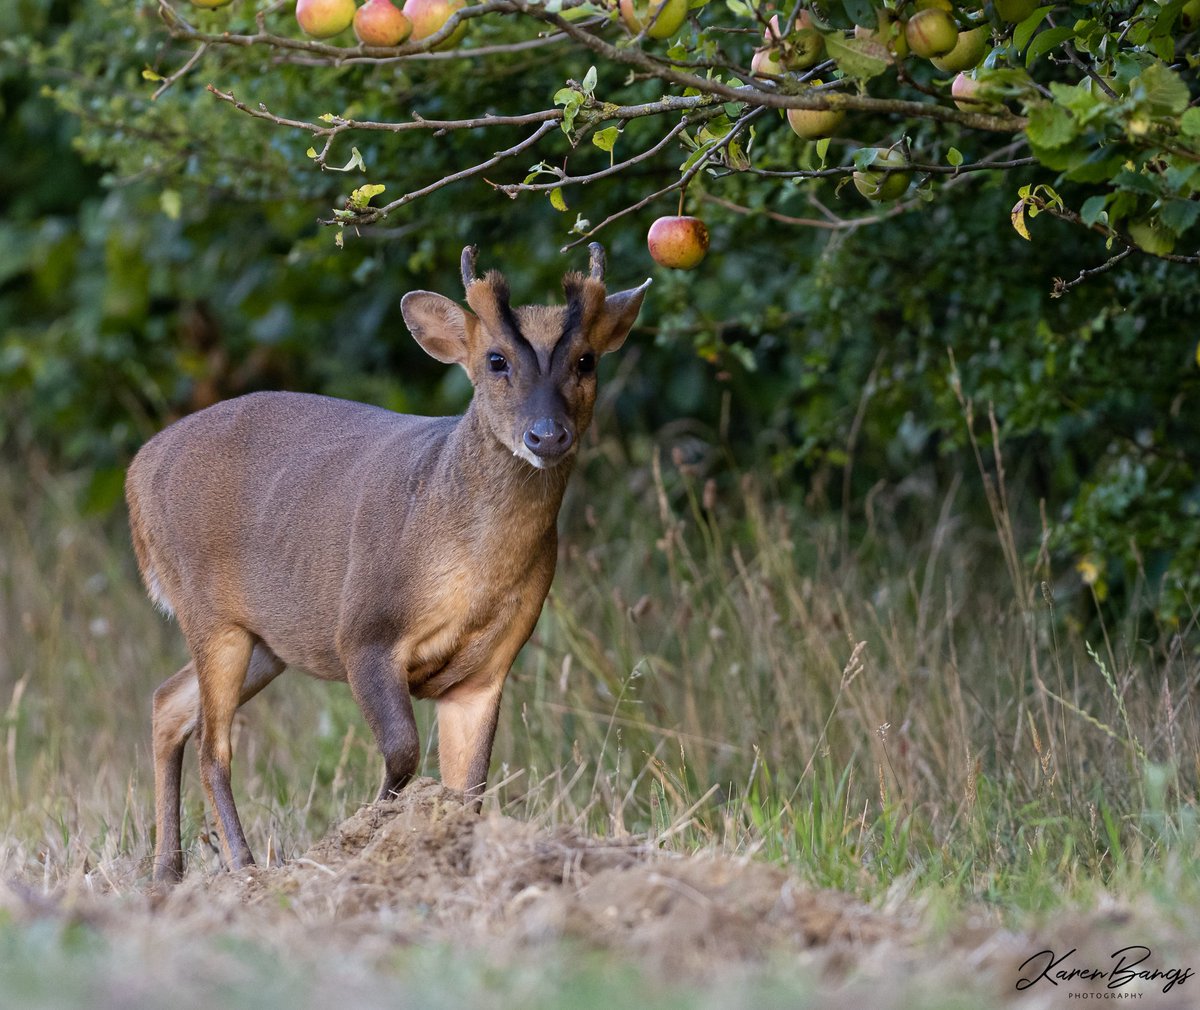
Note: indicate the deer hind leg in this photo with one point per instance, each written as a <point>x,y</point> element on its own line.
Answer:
<point>176,707</point>
<point>176,715</point>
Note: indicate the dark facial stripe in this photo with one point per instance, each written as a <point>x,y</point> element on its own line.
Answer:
<point>574,318</point>
<point>508,319</point>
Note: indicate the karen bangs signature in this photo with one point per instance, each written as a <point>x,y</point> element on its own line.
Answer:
<point>1129,966</point>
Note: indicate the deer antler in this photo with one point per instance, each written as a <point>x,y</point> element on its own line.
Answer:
<point>596,261</point>
<point>469,255</point>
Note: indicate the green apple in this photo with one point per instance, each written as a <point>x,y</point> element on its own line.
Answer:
<point>882,186</point>
<point>931,32</point>
<point>668,15</point>
<point>815,124</point>
<point>968,52</point>
<point>1014,11</point>
<point>678,242</point>
<point>323,19</point>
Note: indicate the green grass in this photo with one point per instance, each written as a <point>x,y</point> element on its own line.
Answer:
<point>901,706</point>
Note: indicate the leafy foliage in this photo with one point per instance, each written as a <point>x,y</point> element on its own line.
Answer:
<point>161,244</point>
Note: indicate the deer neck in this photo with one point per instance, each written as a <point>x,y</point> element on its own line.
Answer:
<point>501,493</point>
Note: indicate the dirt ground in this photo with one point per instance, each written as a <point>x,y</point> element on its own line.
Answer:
<point>423,870</point>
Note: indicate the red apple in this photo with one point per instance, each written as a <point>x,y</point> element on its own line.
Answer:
<point>381,23</point>
<point>964,87</point>
<point>802,49</point>
<point>931,33</point>
<point>670,16</point>
<point>968,52</point>
<point>322,19</point>
<point>428,16</point>
<point>766,61</point>
<point>678,242</point>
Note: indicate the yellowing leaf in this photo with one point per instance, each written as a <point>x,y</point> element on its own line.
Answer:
<point>1018,220</point>
<point>556,199</point>
<point>150,75</point>
<point>362,196</point>
<point>171,203</point>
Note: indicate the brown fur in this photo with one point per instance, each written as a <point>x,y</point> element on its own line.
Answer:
<point>409,556</point>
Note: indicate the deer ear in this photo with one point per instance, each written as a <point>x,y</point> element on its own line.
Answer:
<point>442,327</point>
<point>617,317</point>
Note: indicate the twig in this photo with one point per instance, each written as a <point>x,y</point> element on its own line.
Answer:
<point>512,189</point>
<point>681,183</point>
<point>372,214</point>
<point>1073,56</point>
<point>192,61</point>
<point>1061,287</point>
<point>834,223</point>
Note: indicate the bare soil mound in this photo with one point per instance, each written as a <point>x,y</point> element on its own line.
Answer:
<point>423,867</point>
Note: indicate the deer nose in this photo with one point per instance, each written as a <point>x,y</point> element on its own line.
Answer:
<point>547,438</point>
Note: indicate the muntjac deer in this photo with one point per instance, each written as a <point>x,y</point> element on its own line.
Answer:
<point>408,556</point>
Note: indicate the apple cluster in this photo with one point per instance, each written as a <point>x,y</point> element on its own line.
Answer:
<point>376,22</point>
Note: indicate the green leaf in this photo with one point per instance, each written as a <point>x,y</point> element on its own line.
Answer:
<point>556,199</point>
<point>606,139</point>
<point>1045,41</point>
<point>1024,31</point>
<point>858,58</point>
<point>362,196</point>
<point>823,149</point>
<point>1092,208</point>
<point>1179,215</point>
<point>1135,182</point>
<point>1164,89</point>
<point>1050,125</point>
<point>570,100</point>
<point>733,109</point>
<point>861,12</point>
<point>589,81</point>
<point>327,117</point>
<point>356,161</point>
<point>954,157</point>
<point>1189,123</point>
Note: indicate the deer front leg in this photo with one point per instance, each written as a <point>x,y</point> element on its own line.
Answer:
<point>467,715</point>
<point>381,690</point>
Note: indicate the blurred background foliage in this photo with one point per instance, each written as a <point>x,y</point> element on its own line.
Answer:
<point>159,254</point>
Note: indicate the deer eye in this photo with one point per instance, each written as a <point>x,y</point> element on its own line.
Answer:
<point>587,363</point>
<point>497,362</point>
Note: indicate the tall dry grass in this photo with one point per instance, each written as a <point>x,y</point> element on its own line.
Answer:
<point>907,699</point>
